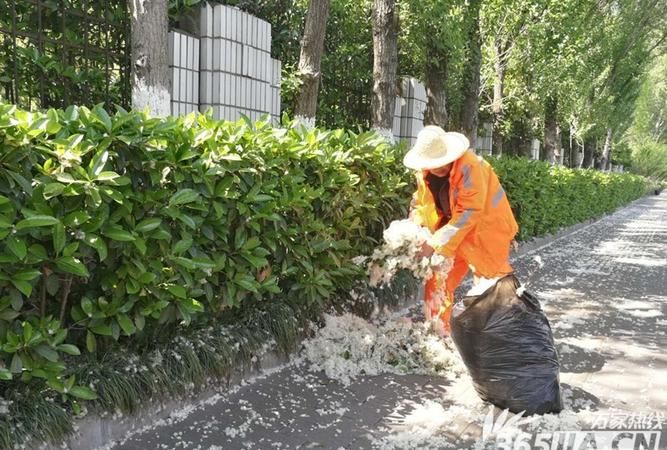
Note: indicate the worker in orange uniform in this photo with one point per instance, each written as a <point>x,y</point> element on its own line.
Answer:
<point>460,200</point>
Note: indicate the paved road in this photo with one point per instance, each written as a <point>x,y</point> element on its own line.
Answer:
<point>604,289</point>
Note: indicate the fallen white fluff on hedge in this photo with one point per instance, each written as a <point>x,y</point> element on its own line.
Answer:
<point>348,347</point>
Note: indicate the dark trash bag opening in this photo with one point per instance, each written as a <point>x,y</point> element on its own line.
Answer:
<point>506,343</point>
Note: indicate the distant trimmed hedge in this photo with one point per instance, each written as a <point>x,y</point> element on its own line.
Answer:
<point>124,225</point>
<point>547,198</point>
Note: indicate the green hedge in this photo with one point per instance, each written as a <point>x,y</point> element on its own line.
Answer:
<point>123,225</point>
<point>547,198</point>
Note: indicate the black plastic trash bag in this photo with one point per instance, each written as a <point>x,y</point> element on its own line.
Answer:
<point>506,343</point>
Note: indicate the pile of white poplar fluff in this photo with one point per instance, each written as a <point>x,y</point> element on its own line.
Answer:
<point>349,347</point>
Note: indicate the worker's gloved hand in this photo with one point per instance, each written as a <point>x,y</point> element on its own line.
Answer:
<point>426,251</point>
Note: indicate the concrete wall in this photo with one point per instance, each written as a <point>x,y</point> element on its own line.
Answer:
<point>409,111</point>
<point>184,68</point>
<point>227,69</point>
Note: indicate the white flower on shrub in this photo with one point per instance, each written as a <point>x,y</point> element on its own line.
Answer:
<point>359,260</point>
<point>4,406</point>
<point>403,243</point>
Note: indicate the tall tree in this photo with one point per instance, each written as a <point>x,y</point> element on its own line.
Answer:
<point>437,62</point>
<point>471,85</point>
<point>502,26</point>
<point>385,64</point>
<point>650,112</point>
<point>151,83</point>
<point>312,47</point>
<point>605,158</point>
<point>432,47</point>
<point>589,154</point>
<point>499,68</point>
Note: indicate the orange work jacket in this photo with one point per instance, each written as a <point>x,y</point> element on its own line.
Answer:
<point>479,233</point>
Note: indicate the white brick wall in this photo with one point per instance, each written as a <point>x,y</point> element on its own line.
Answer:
<point>184,68</point>
<point>228,69</point>
<point>236,72</point>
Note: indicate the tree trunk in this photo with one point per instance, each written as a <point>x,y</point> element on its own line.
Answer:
<point>572,151</point>
<point>515,146</point>
<point>497,105</point>
<point>151,83</point>
<point>469,114</point>
<point>525,148</point>
<point>385,65</point>
<point>589,151</point>
<point>551,131</point>
<point>606,150</point>
<point>497,144</point>
<point>435,82</point>
<point>312,47</point>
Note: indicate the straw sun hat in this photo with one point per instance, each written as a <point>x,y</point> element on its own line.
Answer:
<point>435,148</point>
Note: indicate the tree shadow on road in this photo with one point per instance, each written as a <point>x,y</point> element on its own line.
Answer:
<point>576,359</point>
<point>578,399</point>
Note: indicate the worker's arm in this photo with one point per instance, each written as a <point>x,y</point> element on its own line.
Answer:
<point>416,201</point>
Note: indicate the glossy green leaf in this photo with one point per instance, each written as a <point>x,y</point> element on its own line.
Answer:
<point>26,274</point>
<point>52,190</point>
<point>147,225</point>
<point>69,349</point>
<point>178,291</point>
<point>72,265</point>
<point>126,324</point>
<point>59,238</point>
<point>47,352</point>
<point>17,247</point>
<point>91,342</point>
<point>83,392</point>
<point>98,244</point>
<point>183,197</point>
<point>37,221</point>
<point>23,286</point>
<point>118,234</point>
<point>16,365</point>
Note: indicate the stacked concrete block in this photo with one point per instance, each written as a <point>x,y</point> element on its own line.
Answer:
<point>398,109</point>
<point>535,145</point>
<point>274,105</point>
<point>410,108</point>
<point>184,54</point>
<point>237,73</point>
